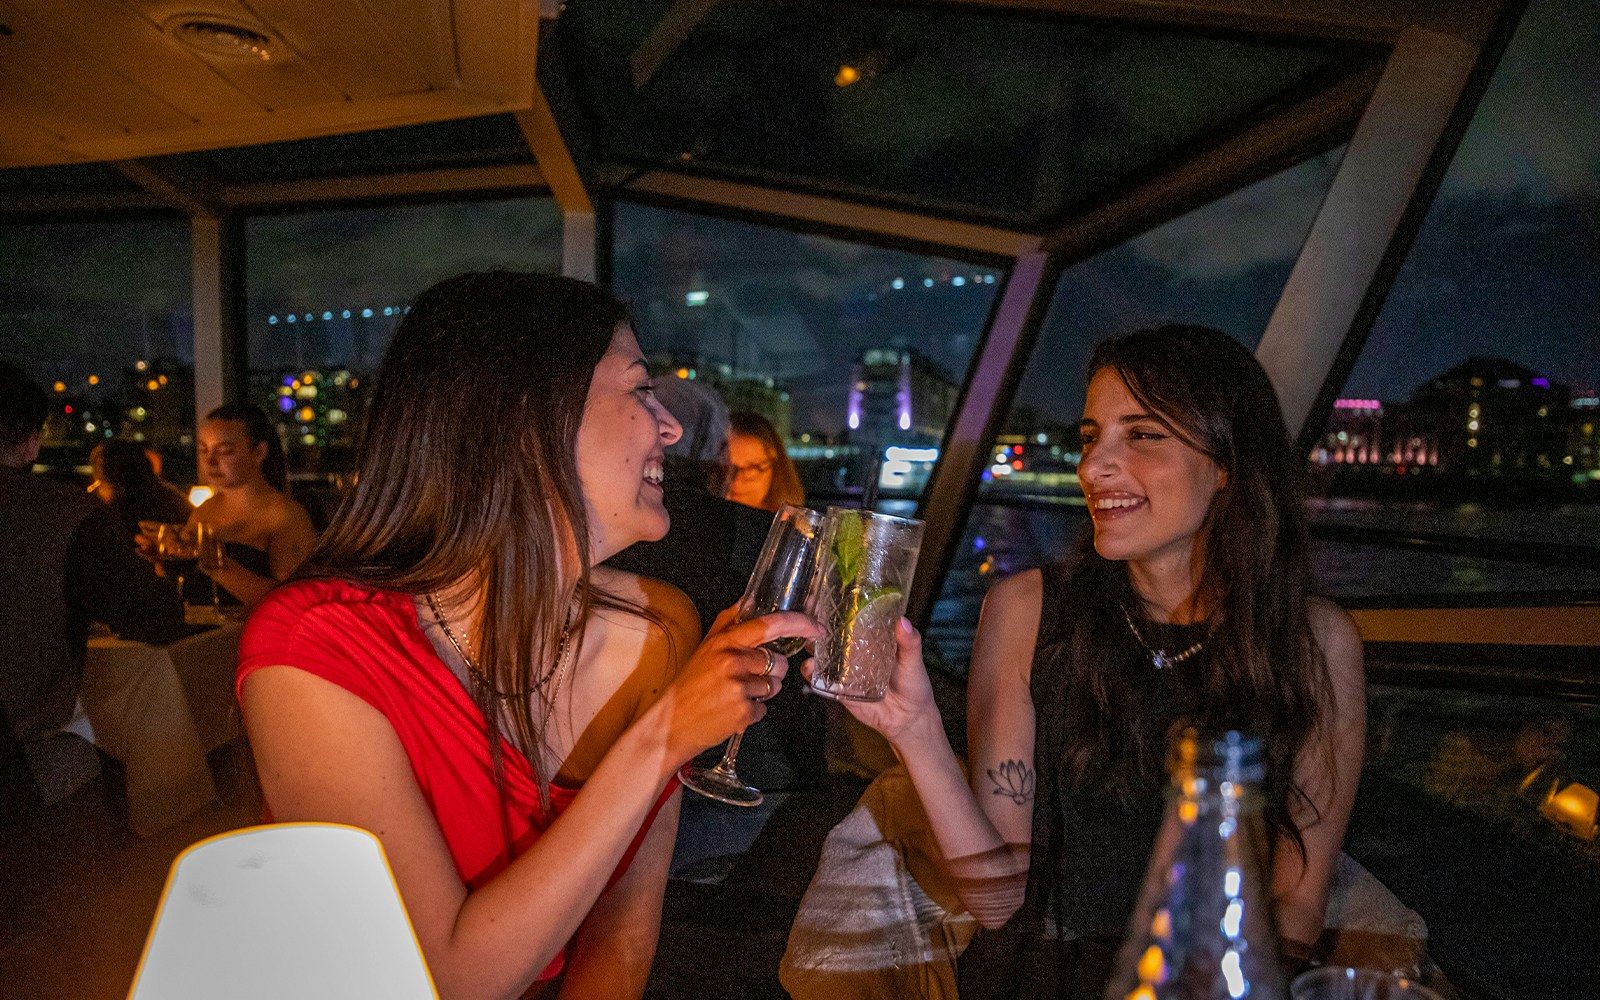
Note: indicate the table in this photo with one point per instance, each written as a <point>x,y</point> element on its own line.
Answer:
<point>159,710</point>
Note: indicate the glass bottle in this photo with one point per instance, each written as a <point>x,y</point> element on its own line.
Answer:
<point>1202,928</point>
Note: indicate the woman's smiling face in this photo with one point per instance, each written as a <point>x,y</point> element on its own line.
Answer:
<point>619,450</point>
<point>1148,489</point>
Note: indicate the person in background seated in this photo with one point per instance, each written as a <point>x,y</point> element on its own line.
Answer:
<point>130,485</point>
<point>66,561</point>
<point>456,671</point>
<point>1191,602</point>
<point>267,534</point>
<point>762,474</point>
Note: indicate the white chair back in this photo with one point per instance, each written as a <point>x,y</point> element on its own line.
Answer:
<point>293,910</point>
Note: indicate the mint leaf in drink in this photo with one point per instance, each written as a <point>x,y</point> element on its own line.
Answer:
<point>849,546</point>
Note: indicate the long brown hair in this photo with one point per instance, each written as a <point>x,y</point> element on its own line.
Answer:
<point>467,472</point>
<point>1263,670</point>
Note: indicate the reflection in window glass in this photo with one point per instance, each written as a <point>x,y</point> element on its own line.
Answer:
<point>1222,265</point>
<point>1474,409</point>
<point>854,353</point>
<point>101,315</point>
<point>327,288</point>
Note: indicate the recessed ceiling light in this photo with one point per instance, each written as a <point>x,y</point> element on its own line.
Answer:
<point>215,36</point>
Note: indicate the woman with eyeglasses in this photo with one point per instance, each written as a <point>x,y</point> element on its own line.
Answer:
<point>760,472</point>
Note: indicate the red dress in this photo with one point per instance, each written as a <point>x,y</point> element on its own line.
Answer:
<point>368,642</point>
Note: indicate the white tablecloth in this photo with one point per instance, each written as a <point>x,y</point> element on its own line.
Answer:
<point>159,709</point>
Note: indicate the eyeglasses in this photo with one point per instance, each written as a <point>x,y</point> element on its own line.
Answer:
<point>758,469</point>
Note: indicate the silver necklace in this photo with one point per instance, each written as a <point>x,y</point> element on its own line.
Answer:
<point>1160,658</point>
<point>552,679</point>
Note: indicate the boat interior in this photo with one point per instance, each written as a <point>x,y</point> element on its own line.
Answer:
<point>896,228</point>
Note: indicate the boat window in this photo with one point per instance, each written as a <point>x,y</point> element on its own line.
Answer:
<point>854,353</point>
<point>1222,265</point>
<point>325,290</point>
<point>1012,117</point>
<point>101,316</point>
<point>1463,455</point>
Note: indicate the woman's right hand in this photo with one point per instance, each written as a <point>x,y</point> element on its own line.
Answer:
<point>724,686</point>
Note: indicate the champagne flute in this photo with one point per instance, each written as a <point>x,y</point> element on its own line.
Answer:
<point>209,547</point>
<point>781,582</point>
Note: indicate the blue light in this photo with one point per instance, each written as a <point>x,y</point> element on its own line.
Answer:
<point>958,281</point>
<point>927,282</point>
<point>345,314</point>
<point>285,403</point>
<point>978,544</point>
<point>272,321</point>
<point>310,317</point>
<point>327,316</point>
<point>388,310</point>
<point>366,314</point>
<point>897,284</point>
<point>292,317</point>
<point>288,380</point>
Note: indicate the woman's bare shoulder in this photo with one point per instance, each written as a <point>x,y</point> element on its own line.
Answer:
<point>659,599</point>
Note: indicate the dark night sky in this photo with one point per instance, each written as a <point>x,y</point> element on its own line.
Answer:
<point>1507,263</point>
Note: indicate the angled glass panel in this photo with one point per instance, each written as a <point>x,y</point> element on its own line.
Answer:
<point>996,114</point>
<point>325,290</point>
<point>102,316</point>
<point>854,353</point>
<point>1221,265</point>
<point>1474,409</point>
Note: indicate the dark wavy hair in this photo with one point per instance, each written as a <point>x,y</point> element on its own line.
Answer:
<point>1263,670</point>
<point>467,471</point>
<point>275,467</point>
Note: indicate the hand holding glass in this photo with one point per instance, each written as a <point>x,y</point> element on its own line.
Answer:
<point>781,582</point>
<point>864,572</point>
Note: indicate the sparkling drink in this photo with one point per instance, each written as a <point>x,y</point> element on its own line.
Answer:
<point>863,578</point>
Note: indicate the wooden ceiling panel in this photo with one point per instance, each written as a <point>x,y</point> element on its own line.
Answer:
<point>426,30</point>
<point>496,47</point>
<point>349,48</point>
<point>103,79</point>
<point>132,45</point>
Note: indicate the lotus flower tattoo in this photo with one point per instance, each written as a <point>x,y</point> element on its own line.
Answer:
<point>1014,779</point>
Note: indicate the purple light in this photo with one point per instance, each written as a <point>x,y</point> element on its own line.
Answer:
<point>288,380</point>
<point>978,544</point>
<point>1540,381</point>
<point>285,403</point>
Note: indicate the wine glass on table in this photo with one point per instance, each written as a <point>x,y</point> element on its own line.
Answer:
<point>781,582</point>
<point>175,547</point>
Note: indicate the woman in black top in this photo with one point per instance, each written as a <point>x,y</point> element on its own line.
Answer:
<point>1191,601</point>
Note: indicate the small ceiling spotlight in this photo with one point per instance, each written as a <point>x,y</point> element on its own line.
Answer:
<point>216,36</point>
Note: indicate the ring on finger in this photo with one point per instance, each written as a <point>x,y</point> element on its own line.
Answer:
<point>771,661</point>
<point>772,687</point>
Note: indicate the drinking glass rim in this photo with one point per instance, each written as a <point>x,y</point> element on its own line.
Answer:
<point>894,518</point>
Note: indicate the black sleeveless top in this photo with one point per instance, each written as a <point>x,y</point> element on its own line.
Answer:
<point>1062,941</point>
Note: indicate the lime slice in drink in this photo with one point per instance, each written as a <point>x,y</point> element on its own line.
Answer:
<point>875,608</point>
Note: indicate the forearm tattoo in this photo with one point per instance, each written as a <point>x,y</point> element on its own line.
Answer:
<point>1013,779</point>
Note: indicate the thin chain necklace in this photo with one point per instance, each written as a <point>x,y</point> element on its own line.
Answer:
<point>1160,658</point>
<point>551,679</point>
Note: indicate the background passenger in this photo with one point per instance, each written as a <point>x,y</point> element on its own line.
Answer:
<point>134,491</point>
<point>762,474</point>
<point>1192,601</point>
<point>267,533</point>
<point>66,561</point>
<point>457,673</point>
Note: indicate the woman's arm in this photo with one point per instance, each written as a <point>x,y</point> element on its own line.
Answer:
<point>616,943</point>
<point>291,540</point>
<point>983,829</point>
<point>325,754</point>
<point>1327,770</point>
